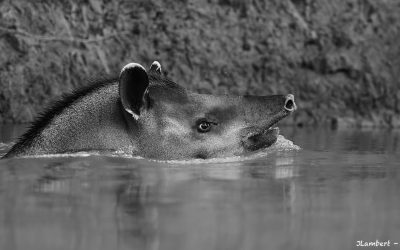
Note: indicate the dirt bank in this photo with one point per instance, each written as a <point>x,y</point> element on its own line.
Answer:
<point>341,58</point>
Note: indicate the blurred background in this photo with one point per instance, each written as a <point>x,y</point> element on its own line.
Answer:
<point>340,58</point>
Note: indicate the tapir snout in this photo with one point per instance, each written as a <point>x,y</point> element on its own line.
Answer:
<point>261,114</point>
<point>289,105</point>
<point>145,114</point>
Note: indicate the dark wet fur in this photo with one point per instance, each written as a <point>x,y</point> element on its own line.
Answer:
<point>57,107</point>
<point>54,110</point>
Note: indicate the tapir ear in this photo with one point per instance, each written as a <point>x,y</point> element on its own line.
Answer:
<point>133,83</point>
<point>156,67</point>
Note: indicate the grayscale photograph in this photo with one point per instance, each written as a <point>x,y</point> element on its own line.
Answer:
<point>199,124</point>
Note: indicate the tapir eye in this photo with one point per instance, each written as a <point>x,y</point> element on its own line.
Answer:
<point>204,127</point>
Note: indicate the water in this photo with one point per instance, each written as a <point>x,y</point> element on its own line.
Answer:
<point>342,187</point>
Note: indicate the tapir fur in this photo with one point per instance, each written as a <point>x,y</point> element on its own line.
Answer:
<point>145,114</point>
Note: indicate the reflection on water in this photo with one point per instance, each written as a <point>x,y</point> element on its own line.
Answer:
<point>342,187</point>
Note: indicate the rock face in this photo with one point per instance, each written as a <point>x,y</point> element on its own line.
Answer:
<point>340,58</point>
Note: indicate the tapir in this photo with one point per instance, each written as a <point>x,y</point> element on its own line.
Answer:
<point>143,113</point>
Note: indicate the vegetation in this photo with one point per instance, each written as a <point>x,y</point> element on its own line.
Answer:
<point>340,58</point>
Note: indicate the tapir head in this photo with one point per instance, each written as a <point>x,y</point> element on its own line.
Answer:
<point>168,122</point>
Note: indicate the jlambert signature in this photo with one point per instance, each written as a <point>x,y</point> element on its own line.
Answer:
<point>376,243</point>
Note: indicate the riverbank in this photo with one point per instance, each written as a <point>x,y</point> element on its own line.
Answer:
<point>339,58</point>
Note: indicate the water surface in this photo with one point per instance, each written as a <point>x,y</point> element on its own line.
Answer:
<point>342,187</point>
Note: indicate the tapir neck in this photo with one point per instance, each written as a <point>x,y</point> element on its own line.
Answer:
<point>92,123</point>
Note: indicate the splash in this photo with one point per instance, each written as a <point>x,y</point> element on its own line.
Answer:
<point>282,144</point>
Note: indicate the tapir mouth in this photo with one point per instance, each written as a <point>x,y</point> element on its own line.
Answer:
<point>261,136</point>
<point>266,134</point>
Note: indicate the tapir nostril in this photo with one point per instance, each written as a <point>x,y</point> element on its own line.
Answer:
<point>289,103</point>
